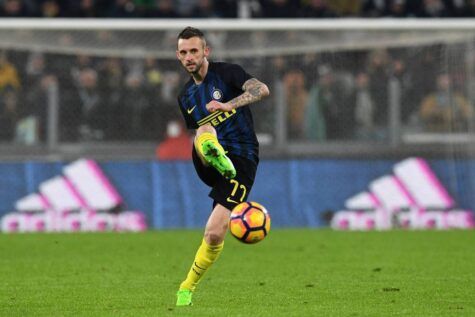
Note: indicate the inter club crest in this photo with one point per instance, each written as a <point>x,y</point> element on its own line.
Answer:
<point>217,94</point>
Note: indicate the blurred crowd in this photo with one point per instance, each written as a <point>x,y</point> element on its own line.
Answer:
<point>236,8</point>
<point>347,95</point>
<point>105,98</point>
<point>360,95</point>
<point>328,96</point>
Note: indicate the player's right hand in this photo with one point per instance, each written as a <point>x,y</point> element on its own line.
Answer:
<point>214,105</point>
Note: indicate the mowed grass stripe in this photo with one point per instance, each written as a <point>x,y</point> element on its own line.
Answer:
<point>298,272</point>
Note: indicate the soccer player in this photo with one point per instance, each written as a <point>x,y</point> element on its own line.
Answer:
<point>225,153</point>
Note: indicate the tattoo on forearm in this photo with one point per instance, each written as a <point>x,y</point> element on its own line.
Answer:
<point>254,90</point>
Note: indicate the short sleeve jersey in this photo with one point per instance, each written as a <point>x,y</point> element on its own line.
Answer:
<point>235,129</point>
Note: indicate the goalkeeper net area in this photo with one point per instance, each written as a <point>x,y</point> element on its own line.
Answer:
<point>338,87</point>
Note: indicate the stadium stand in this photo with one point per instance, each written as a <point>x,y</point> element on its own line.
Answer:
<point>230,8</point>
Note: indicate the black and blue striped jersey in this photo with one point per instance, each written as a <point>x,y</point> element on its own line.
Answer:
<point>235,128</point>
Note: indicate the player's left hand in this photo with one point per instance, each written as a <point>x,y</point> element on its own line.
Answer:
<point>214,105</point>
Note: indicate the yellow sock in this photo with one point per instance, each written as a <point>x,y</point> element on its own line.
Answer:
<point>205,257</point>
<point>206,136</point>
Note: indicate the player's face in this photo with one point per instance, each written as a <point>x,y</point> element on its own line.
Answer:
<point>192,53</point>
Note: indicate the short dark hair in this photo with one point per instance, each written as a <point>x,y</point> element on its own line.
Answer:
<point>190,32</point>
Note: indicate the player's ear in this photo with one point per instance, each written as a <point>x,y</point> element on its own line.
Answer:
<point>177,54</point>
<point>207,50</point>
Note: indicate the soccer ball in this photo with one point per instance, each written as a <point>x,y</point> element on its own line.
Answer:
<point>250,222</point>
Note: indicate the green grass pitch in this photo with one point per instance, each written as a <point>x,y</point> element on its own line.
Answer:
<point>291,273</point>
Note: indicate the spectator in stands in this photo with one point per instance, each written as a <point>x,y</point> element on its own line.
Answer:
<point>51,9</point>
<point>278,9</point>
<point>314,125</point>
<point>136,106</point>
<point>163,9</point>
<point>155,119</point>
<point>36,96</point>
<point>345,7</point>
<point>170,86</point>
<point>373,8</point>
<point>424,72</point>
<point>378,70</point>
<point>177,143</point>
<point>445,110</point>
<point>111,74</point>
<point>204,9</point>
<point>184,7</point>
<point>329,107</point>
<point>273,71</point>
<point>82,62</point>
<point>153,75</point>
<point>226,8</point>
<point>392,8</point>
<point>122,9</point>
<point>85,9</point>
<point>157,115</point>
<point>364,108</point>
<point>111,86</point>
<point>433,9</point>
<point>310,63</point>
<point>455,8</point>
<point>317,9</point>
<point>14,9</point>
<point>468,10</point>
<point>143,7</point>
<point>35,68</point>
<point>8,74</point>
<point>91,108</point>
<point>403,82</point>
<point>60,68</point>
<point>397,9</point>
<point>8,114</point>
<point>295,98</point>
<point>9,95</point>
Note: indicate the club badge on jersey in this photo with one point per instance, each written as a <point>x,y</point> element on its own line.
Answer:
<point>217,94</point>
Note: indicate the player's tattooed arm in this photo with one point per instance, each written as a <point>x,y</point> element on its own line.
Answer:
<point>254,90</point>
